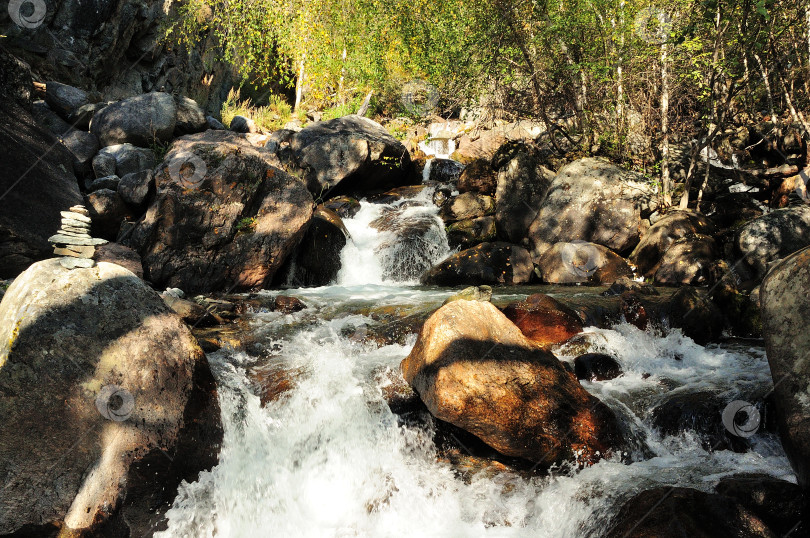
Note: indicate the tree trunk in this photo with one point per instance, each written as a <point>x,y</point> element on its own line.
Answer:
<point>765,79</point>
<point>299,85</point>
<point>665,181</point>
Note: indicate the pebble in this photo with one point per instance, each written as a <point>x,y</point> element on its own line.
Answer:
<point>80,209</point>
<point>63,239</point>
<point>75,216</point>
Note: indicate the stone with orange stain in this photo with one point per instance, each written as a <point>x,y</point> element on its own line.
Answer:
<point>543,319</point>
<point>475,369</point>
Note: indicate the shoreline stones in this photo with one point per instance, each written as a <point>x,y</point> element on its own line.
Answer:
<point>73,240</point>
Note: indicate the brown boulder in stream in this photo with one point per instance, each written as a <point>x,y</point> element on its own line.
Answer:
<point>543,319</point>
<point>473,368</point>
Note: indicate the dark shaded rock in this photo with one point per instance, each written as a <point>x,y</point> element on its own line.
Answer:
<point>345,206</point>
<point>107,182</point>
<point>471,232</point>
<point>214,123</point>
<point>316,260</point>
<point>63,99</point>
<point>350,155</point>
<point>241,124</point>
<point>445,171</point>
<point>81,117</point>
<point>473,368</point>
<point>596,367</point>
<point>487,263</point>
<point>134,188</point>
<point>224,216</point>
<point>661,236</point>
<point>81,144</point>
<point>190,117</point>
<point>683,512</point>
<point>129,413</point>
<point>592,200</point>
<point>626,283</point>
<point>120,255</point>
<point>478,177</point>
<point>579,262</point>
<point>522,184</point>
<point>16,83</point>
<point>138,120</point>
<point>691,260</point>
<point>287,304</point>
<point>107,210</point>
<point>467,206</point>
<point>129,159</point>
<point>696,315</point>
<point>778,503</point>
<point>730,209</point>
<point>543,319</point>
<point>773,236</point>
<point>785,311</point>
<point>700,412</point>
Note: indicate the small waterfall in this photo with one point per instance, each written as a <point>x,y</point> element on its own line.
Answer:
<point>393,243</point>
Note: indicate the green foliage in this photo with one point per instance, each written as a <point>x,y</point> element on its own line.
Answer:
<point>246,225</point>
<point>271,117</point>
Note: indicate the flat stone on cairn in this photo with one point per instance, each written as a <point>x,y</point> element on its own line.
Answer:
<point>73,240</point>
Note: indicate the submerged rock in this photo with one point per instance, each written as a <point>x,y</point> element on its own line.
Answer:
<point>473,368</point>
<point>487,263</point>
<point>543,319</point>
<point>698,412</point>
<point>108,402</point>
<point>785,315</point>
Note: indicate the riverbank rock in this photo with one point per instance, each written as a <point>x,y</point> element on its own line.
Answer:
<point>108,402</point>
<point>661,236</point>
<point>224,216</point>
<point>676,511</point>
<point>696,315</point>
<point>350,155</point>
<point>467,206</point>
<point>468,233</point>
<point>139,120</point>
<point>691,261</point>
<point>778,503</point>
<point>773,236</point>
<point>487,263</point>
<point>478,177</point>
<point>785,312</point>
<point>65,100</point>
<point>37,189</point>
<point>473,368</point>
<point>596,201</point>
<point>543,319</point>
<point>596,367</point>
<point>522,184</point>
<point>698,412</point>
<point>579,262</point>
<point>316,260</point>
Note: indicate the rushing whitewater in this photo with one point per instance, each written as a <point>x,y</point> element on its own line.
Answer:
<point>329,458</point>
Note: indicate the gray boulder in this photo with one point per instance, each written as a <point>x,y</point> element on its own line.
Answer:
<point>580,262</point>
<point>661,235</point>
<point>106,182</point>
<point>773,236</point>
<point>592,200</point>
<point>107,210</point>
<point>138,120</point>
<point>128,159</point>
<point>81,144</point>
<point>63,99</point>
<point>108,403</point>
<point>469,205</point>
<point>190,117</point>
<point>134,188</point>
<point>692,260</point>
<point>785,311</point>
<point>241,124</point>
<point>350,155</point>
<point>82,116</point>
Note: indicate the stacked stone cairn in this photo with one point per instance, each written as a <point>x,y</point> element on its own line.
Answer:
<point>73,241</point>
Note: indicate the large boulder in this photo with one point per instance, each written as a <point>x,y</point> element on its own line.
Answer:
<point>316,260</point>
<point>350,155</point>
<point>487,263</point>
<point>468,205</point>
<point>190,117</point>
<point>661,235</point>
<point>108,403</point>
<point>128,159</point>
<point>140,120</point>
<point>81,144</point>
<point>696,315</point>
<point>36,182</point>
<point>785,312</point>
<point>691,260</point>
<point>579,262</point>
<point>65,100</point>
<point>470,232</point>
<point>522,185</point>
<point>16,83</point>
<point>543,319</point>
<point>478,176</point>
<point>224,216</point>
<point>473,368</point>
<point>773,236</point>
<point>596,201</point>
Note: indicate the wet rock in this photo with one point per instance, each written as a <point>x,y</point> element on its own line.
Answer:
<point>36,189</point>
<point>740,310</point>
<point>625,283</point>
<point>128,413</point>
<point>579,262</point>
<point>467,206</point>
<point>445,171</point>
<point>468,233</point>
<point>287,304</point>
<point>473,368</point>
<point>543,319</point>
<point>596,367</point>
<point>675,511</point>
<point>190,117</point>
<point>120,255</point>
<point>63,99</point>
<point>773,236</point>
<point>778,503</point>
<point>478,177</point>
<point>441,195</point>
<point>785,311</point>
<point>487,263</point>
<point>592,200</point>
<point>345,206</point>
<point>224,216</point>
<point>700,412</point>
<point>472,293</point>
<point>396,194</point>
<point>522,184</point>
<point>316,260</point>
<point>350,155</point>
<point>633,310</point>
<point>696,315</point>
<point>691,260</point>
<point>107,210</point>
<point>663,234</point>
<point>128,160</point>
<point>138,120</point>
